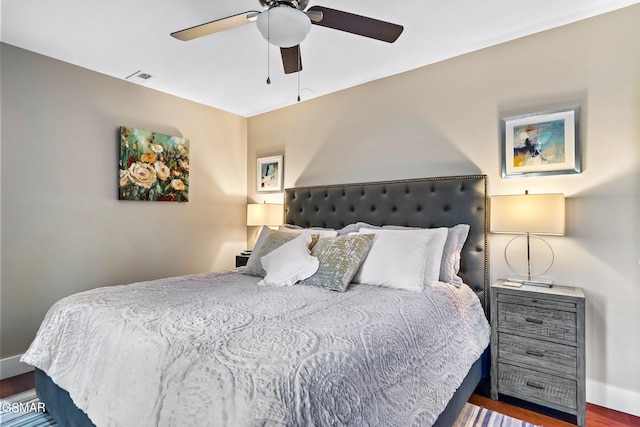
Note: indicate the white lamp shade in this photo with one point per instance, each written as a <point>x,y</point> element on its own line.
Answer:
<point>259,214</point>
<point>528,213</point>
<point>283,26</point>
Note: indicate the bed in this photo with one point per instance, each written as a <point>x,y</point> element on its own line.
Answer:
<point>282,355</point>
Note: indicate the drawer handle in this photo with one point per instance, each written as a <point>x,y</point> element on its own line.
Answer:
<point>536,321</point>
<point>534,385</point>
<point>535,353</point>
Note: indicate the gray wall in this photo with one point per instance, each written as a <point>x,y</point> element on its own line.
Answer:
<point>443,119</point>
<point>63,228</point>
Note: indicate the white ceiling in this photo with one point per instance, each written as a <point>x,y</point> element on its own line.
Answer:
<point>228,70</point>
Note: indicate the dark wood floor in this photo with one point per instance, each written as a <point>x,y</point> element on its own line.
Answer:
<point>597,416</point>
<point>17,384</point>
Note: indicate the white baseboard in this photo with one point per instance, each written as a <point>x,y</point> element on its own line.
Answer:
<point>616,398</point>
<point>12,366</point>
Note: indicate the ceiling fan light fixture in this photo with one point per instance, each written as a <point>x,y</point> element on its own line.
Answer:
<point>283,26</point>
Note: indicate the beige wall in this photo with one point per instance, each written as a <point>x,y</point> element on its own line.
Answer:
<point>443,120</point>
<point>63,228</point>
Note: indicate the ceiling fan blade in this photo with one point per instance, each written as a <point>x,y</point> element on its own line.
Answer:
<point>357,24</point>
<point>216,26</point>
<point>291,59</point>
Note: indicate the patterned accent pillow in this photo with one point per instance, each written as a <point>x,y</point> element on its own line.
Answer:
<point>340,258</point>
<point>273,240</point>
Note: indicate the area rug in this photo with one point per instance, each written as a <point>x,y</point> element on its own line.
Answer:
<point>26,410</point>
<point>476,416</point>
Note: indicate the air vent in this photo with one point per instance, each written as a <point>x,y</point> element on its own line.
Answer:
<point>138,75</point>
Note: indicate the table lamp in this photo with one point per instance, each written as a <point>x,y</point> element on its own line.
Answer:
<point>264,214</point>
<point>530,215</point>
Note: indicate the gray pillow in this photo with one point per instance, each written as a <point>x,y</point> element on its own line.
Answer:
<point>272,240</point>
<point>450,265</point>
<point>351,228</point>
<point>340,258</point>
<point>354,228</point>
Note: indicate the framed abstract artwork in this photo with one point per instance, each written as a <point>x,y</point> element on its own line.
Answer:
<point>153,166</point>
<point>269,174</point>
<point>544,143</point>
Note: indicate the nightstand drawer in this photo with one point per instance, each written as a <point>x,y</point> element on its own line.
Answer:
<point>541,354</point>
<point>533,385</point>
<point>538,302</point>
<point>547,323</point>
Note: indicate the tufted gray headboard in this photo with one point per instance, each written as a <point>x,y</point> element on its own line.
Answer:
<point>427,202</point>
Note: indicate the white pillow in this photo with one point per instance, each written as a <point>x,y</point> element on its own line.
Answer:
<point>403,259</point>
<point>289,263</point>
<point>321,232</point>
<point>452,246</point>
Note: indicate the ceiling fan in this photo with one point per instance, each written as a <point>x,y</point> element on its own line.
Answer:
<point>285,23</point>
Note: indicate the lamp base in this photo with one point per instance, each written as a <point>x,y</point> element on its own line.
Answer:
<point>543,283</point>
<point>530,278</point>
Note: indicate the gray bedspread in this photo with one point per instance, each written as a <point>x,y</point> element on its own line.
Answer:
<point>218,350</point>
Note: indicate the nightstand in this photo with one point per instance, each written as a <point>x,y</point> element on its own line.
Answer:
<point>241,260</point>
<point>537,346</point>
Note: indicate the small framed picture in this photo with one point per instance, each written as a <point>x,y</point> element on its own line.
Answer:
<point>544,143</point>
<point>269,174</point>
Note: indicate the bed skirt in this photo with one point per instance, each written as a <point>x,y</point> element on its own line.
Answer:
<point>58,403</point>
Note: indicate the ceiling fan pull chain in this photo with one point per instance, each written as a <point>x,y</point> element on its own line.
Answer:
<point>268,51</point>
<point>298,76</point>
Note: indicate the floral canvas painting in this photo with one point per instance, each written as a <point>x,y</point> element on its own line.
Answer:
<point>153,166</point>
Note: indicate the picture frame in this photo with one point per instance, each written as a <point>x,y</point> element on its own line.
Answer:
<point>153,166</point>
<point>269,174</point>
<point>543,143</point>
